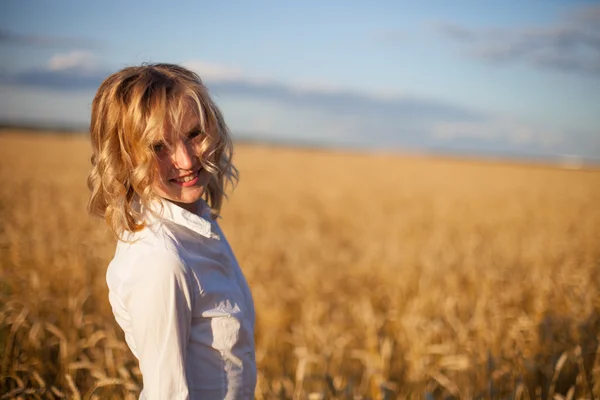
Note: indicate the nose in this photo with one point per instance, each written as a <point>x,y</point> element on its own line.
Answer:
<point>183,156</point>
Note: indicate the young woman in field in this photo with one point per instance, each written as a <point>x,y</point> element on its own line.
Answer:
<point>161,159</point>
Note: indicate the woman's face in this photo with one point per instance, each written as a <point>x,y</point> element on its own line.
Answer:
<point>180,177</point>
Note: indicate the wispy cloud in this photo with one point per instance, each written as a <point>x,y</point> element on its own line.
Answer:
<point>493,129</point>
<point>310,111</point>
<point>571,44</point>
<point>11,37</point>
<point>77,59</point>
<point>82,70</point>
<point>364,118</point>
<point>73,70</point>
<point>334,100</point>
<point>216,72</point>
<point>347,102</point>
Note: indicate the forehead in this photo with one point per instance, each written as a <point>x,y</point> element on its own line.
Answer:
<point>186,120</point>
<point>179,121</point>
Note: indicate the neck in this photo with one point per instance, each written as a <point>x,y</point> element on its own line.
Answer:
<point>191,207</point>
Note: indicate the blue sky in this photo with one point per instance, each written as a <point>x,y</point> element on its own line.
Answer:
<point>521,77</point>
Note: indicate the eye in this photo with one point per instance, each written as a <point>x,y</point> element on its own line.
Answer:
<point>194,134</point>
<point>158,147</point>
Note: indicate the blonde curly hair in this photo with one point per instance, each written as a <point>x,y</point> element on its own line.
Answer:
<point>130,112</point>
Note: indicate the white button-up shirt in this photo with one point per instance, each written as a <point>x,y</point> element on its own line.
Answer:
<point>185,307</point>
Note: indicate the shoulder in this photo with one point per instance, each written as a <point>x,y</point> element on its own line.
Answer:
<point>153,255</point>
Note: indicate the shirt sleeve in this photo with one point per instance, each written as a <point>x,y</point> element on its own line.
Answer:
<point>158,298</point>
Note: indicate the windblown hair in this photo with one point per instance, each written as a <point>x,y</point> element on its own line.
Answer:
<point>130,113</point>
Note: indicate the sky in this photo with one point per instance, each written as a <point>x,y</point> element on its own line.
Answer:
<point>482,77</point>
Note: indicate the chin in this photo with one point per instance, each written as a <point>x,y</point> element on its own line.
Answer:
<point>188,196</point>
<point>192,197</point>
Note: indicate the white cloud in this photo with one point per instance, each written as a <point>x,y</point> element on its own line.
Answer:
<point>76,59</point>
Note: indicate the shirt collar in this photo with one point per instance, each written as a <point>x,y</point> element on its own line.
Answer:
<point>197,222</point>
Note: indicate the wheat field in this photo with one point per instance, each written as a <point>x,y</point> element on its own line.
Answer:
<point>374,276</point>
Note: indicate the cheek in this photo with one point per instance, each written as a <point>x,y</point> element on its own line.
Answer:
<point>163,169</point>
<point>204,177</point>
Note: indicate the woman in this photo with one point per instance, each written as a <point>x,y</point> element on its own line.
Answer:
<point>161,159</point>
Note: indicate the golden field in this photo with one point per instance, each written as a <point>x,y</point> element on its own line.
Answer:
<point>374,276</point>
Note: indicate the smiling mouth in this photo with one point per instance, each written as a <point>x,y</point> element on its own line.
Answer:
<point>187,178</point>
